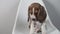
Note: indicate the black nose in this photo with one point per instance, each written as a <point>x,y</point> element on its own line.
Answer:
<point>33,19</point>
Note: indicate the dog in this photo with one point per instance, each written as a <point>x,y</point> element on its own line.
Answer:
<point>36,18</point>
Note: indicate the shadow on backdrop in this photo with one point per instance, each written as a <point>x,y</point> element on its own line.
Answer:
<point>52,11</point>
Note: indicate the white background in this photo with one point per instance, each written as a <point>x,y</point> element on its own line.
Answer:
<point>8,9</point>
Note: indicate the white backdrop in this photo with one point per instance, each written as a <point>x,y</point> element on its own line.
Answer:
<point>21,24</point>
<point>8,9</point>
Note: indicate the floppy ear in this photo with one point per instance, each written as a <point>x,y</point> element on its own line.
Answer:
<point>28,13</point>
<point>42,14</point>
<point>28,17</point>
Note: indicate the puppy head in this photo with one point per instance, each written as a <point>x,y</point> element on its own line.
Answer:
<point>36,12</point>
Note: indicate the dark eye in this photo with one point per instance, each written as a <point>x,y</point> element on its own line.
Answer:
<point>37,9</point>
<point>36,13</point>
<point>30,12</point>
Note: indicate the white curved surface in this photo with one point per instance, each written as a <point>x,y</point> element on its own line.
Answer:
<point>21,24</point>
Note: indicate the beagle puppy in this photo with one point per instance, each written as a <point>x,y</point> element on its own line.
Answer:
<point>36,18</point>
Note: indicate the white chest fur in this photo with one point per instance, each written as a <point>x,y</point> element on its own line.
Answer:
<point>35,26</point>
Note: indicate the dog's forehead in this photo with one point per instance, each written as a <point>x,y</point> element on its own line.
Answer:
<point>34,5</point>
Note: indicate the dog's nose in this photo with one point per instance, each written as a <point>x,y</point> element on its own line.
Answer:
<point>33,19</point>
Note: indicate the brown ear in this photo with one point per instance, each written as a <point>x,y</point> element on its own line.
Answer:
<point>42,14</point>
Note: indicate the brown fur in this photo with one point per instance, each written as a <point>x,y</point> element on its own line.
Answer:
<point>39,12</point>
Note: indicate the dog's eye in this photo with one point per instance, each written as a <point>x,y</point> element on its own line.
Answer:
<point>30,12</point>
<point>36,11</point>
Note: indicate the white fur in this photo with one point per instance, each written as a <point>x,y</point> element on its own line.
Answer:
<point>40,25</point>
<point>32,16</point>
<point>33,30</point>
<point>43,28</point>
